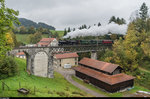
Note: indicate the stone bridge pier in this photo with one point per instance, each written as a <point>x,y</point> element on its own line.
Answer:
<point>38,62</point>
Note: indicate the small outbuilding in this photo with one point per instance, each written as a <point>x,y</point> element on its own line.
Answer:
<point>46,42</point>
<point>103,76</point>
<point>21,55</point>
<point>65,60</point>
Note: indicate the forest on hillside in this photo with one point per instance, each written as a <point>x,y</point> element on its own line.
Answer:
<point>28,23</point>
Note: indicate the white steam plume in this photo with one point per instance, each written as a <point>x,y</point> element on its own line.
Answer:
<point>97,31</point>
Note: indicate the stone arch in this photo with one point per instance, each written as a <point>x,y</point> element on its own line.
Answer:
<point>28,58</point>
<point>40,64</point>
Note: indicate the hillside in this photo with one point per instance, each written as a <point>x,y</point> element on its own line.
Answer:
<point>39,86</point>
<point>24,37</point>
<point>28,23</point>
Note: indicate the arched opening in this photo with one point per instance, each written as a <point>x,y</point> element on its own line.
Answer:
<point>40,64</point>
<point>27,57</point>
<point>28,62</point>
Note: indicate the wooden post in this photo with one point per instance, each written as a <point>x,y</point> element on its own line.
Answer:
<point>19,85</point>
<point>3,86</point>
<point>34,90</point>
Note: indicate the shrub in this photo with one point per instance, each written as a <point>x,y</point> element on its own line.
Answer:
<point>78,93</point>
<point>67,89</point>
<point>60,93</point>
<point>8,67</point>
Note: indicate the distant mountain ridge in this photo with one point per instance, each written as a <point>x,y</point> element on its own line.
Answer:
<point>28,23</point>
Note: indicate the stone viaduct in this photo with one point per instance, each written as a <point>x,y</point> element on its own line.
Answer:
<point>39,60</point>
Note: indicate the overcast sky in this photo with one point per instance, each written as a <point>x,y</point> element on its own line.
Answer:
<point>74,13</point>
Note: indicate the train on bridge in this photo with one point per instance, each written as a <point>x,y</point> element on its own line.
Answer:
<point>85,42</point>
<point>77,42</point>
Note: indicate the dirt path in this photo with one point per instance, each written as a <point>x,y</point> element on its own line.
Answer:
<point>68,74</point>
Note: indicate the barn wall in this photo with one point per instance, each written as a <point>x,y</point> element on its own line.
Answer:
<point>122,85</point>
<point>116,71</point>
<point>94,81</point>
<point>105,86</point>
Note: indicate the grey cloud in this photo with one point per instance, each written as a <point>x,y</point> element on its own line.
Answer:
<point>73,13</point>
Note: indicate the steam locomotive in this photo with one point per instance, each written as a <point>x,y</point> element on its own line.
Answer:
<point>85,42</point>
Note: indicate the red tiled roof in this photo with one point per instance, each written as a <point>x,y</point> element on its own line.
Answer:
<point>66,55</point>
<point>20,53</point>
<point>109,79</point>
<point>45,41</point>
<point>104,66</point>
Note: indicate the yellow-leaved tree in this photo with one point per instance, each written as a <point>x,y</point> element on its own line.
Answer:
<point>145,45</point>
<point>125,52</point>
<point>9,40</point>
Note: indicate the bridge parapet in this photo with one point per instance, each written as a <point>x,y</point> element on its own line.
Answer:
<point>73,48</point>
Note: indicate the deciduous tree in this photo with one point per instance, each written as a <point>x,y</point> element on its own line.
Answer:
<point>7,17</point>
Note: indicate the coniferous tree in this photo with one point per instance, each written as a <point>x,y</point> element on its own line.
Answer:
<point>85,26</point>
<point>123,21</point>
<point>89,27</point>
<point>65,32</point>
<point>118,21</point>
<point>74,29</point>
<point>99,24</point>
<point>143,11</point>
<point>112,19</point>
<point>69,30</point>
<point>140,22</point>
<point>80,28</point>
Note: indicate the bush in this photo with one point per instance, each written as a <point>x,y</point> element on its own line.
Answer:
<point>8,67</point>
<point>144,79</point>
<point>78,93</point>
<point>60,93</point>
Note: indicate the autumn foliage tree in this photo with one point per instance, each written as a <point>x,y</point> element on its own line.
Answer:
<point>131,52</point>
<point>35,38</point>
<point>7,18</point>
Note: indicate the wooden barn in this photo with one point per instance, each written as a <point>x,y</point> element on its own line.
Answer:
<point>109,81</point>
<point>104,67</point>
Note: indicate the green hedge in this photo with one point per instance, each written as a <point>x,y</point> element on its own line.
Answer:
<point>8,67</point>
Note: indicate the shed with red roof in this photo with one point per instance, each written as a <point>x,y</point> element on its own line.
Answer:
<point>101,66</point>
<point>100,74</point>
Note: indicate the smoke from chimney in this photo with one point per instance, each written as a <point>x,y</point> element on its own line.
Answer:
<point>99,31</point>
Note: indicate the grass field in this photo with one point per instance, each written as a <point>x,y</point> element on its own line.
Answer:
<point>24,37</point>
<point>146,65</point>
<point>61,33</point>
<point>118,94</point>
<point>44,87</point>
